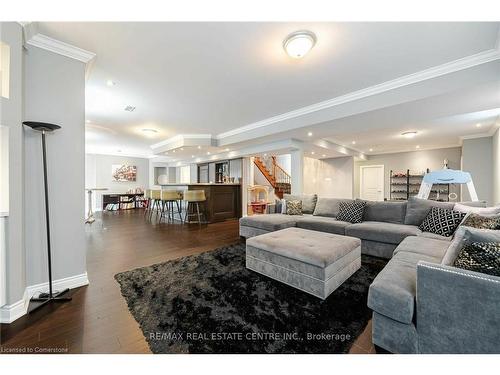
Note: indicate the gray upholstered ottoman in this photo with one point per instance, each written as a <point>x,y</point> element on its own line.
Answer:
<point>314,262</point>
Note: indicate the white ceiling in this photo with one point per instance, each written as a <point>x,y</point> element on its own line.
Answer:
<point>211,78</point>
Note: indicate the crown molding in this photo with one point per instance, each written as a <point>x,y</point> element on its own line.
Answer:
<point>61,48</point>
<point>410,79</point>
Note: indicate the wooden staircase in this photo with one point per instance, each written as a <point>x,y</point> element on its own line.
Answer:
<point>277,177</point>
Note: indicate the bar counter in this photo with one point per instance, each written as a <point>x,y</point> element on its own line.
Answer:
<point>223,200</point>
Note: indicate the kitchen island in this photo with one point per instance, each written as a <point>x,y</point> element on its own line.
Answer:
<point>223,200</point>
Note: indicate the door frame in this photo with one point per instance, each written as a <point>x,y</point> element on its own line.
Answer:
<point>361,169</point>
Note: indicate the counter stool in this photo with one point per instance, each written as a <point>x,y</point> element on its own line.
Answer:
<point>193,199</point>
<point>147,199</point>
<point>155,202</point>
<point>168,198</point>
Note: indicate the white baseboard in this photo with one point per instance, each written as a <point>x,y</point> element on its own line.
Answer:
<point>10,313</point>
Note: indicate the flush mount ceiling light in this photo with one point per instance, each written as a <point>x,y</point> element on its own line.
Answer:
<point>149,131</point>
<point>299,43</point>
<point>409,134</point>
<point>309,134</point>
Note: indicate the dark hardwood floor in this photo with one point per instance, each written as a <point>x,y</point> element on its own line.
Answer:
<point>97,320</point>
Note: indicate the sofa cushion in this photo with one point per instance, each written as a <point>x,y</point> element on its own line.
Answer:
<point>323,224</point>
<point>423,246</point>
<point>381,232</point>
<point>413,258</point>
<point>269,222</point>
<point>435,236</point>
<point>328,206</point>
<point>389,212</point>
<point>393,291</point>
<point>417,209</point>
<point>486,211</point>
<point>308,201</point>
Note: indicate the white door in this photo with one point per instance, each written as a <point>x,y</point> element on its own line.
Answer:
<point>372,182</point>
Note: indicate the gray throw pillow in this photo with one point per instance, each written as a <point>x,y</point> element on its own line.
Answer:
<point>329,207</point>
<point>417,209</point>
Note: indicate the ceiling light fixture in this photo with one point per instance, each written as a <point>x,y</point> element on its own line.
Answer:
<point>312,152</point>
<point>150,131</point>
<point>309,134</point>
<point>323,155</point>
<point>129,108</point>
<point>208,152</point>
<point>182,148</point>
<point>353,142</point>
<point>227,149</point>
<point>478,125</point>
<point>417,147</point>
<point>199,147</point>
<point>409,134</point>
<point>299,43</point>
<point>370,150</point>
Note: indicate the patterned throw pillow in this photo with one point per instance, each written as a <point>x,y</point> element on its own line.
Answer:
<point>294,207</point>
<point>481,257</point>
<point>442,221</point>
<point>351,212</point>
<point>482,222</point>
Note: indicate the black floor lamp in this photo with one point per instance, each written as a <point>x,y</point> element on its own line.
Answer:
<point>46,298</point>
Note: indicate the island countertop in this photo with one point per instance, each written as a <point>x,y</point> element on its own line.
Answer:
<point>200,184</point>
<point>223,201</point>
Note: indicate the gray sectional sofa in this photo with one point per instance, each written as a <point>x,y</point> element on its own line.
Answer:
<point>420,302</point>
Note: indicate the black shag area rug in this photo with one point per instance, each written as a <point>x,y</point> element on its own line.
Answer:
<point>210,303</point>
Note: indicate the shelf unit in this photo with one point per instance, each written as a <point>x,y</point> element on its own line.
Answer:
<point>404,185</point>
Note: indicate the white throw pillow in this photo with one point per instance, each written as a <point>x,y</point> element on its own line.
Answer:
<point>483,211</point>
<point>283,206</point>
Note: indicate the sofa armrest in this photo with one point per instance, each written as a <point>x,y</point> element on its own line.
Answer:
<point>458,311</point>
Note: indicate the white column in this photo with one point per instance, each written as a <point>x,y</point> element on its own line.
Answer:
<point>247,180</point>
<point>297,171</point>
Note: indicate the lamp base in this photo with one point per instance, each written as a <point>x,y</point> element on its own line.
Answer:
<point>45,299</point>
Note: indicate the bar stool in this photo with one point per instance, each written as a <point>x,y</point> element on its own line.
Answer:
<point>193,199</point>
<point>155,202</point>
<point>147,198</point>
<point>168,197</point>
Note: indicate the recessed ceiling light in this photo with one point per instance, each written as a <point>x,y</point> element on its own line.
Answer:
<point>110,83</point>
<point>192,156</point>
<point>173,151</point>
<point>312,152</point>
<point>87,121</point>
<point>417,147</point>
<point>299,43</point>
<point>409,134</point>
<point>478,125</point>
<point>353,142</point>
<point>323,155</point>
<point>150,131</point>
<point>182,148</point>
<point>199,147</point>
<point>265,154</point>
<point>371,150</point>
<point>226,149</point>
<point>208,152</point>
<point>309,134</point>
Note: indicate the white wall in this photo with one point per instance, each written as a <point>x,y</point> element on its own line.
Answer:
<point>98,174</point>
<point>285,162</point>
<point>477,160</point>
<point>54,91</point>
<point>329,177</point>
<point>496,167</point>
<point>11,115</point>
<point>415,161</point>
